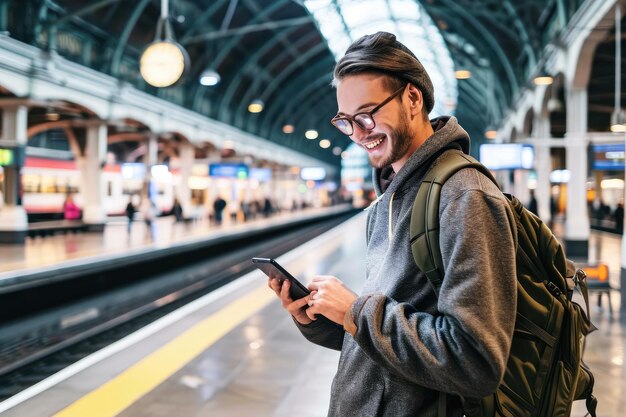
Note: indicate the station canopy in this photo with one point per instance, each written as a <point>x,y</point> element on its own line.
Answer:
<point>279,54</point>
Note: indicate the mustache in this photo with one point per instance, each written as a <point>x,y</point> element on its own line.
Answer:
<point>370,138</point>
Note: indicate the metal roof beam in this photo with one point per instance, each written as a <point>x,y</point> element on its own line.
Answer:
<point>252,92</point>
<point>123,40</point>
<point>244,30</point>
<point>272,121</point>
<point>202,20</point>
<point>491,42</point>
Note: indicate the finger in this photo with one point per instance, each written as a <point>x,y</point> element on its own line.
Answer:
<point>284,292</point>
<point>275,285</point>
<point>310,312</point>
<point>297,305</point>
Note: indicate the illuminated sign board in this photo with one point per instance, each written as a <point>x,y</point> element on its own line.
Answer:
<point>608,157</point>
<point>7,157</point>
<point>507,156</point>
<point>239,171</point>
<point>134,171</point>
<point>313,173</point>
<point>261,174</point>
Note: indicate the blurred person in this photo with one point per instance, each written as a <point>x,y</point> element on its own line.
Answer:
<point>532,204</point>
<point>130,213</point>
<point>149,212</point>
<point>267,207</point>
<point>70,210</point>
<point>177,211</point>
<point>218,208</point>
<point>401,344</point>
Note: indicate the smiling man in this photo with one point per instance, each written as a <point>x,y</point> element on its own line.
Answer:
<point>401,345</point>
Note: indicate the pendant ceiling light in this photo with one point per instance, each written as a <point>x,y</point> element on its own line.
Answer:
<point>164,61</point>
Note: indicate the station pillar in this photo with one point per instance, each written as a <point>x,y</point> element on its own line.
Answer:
<point>520,185</point>
<point>576,140</point>
<point>543,166</point>
<point>92,184</point>
<point>186,158</point>
<point>13,219</point>
<point>623,264</point>
<point>151,159</point>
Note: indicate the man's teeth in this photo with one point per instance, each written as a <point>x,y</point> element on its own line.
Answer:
<point>374,144</point>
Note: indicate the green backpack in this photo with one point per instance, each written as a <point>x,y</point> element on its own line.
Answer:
<point>545,372</point>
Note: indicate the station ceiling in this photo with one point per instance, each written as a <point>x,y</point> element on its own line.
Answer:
<point>276,51</point>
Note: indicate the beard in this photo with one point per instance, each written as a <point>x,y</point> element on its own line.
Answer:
<point>398,143</point>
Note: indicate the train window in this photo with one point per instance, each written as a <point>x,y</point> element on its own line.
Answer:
<point>30,183</point>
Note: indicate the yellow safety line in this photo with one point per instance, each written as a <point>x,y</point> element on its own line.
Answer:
<point>120,393</point>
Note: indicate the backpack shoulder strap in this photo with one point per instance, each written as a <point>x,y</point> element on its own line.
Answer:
<point>424,226</point>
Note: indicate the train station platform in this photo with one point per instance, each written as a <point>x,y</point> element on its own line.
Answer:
<point>21,263</point>
<point>235,352</point>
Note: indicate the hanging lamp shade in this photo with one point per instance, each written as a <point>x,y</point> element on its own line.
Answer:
<point>164,61</point>
<point>209,77</point>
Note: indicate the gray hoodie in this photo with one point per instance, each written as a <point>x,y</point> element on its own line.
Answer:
<point>409,344</point>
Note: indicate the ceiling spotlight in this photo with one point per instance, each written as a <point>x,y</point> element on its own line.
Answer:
<point>163,62</point>
<point>462,74</point>
<point>209,77</point>
<point>543,80</point>
<point>324,144</point>
<point>491,134</point>
<point>256,106</point>
<point>288,129</point>
<point>337,150</point>
<point>311,134</point>
<point>618,121</point>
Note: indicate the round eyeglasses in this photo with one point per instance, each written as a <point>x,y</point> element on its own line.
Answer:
<point>364,120</point>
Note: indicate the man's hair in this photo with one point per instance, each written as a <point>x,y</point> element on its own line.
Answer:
<point>381,53</point>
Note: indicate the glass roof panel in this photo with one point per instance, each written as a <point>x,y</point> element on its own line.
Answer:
<point>343,21</point>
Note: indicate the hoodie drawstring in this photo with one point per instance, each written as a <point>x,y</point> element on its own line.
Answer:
<point>391,217</point>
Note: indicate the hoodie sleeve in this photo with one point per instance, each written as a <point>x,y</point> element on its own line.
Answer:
<point>463,349</point>
<point>322,332</point>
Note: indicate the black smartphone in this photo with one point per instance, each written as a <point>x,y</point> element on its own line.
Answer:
<point>272,269</point>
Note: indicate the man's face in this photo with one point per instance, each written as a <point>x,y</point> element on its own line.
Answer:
<point>391,138</point>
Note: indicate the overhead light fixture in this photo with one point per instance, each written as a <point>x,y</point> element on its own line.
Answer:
<point>344,155</point>
<point>288,129</point>
<point>618,119</point>
<point>311,134</point>
<point>324,144</point>
<point>337,150</point>
<point>462,74</point>
<point>491,134</point>
<point>53,116</point>
<point>209,77</point>
<point>256,106</point>
<point>543,80</point>
<point>164,61</point>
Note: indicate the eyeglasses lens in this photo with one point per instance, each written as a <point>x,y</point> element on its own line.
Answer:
<point>344,126</point>
<point>364,121</point>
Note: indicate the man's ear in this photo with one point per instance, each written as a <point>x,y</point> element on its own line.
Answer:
<point>416,100</point>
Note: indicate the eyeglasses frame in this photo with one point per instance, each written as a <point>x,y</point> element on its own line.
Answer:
<point>368,113</point>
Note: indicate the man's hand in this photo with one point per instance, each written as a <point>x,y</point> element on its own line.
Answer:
<point>296,308</point>
<point>330,298</point>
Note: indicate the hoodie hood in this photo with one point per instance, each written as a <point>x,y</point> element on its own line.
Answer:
<point>448,134</point>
